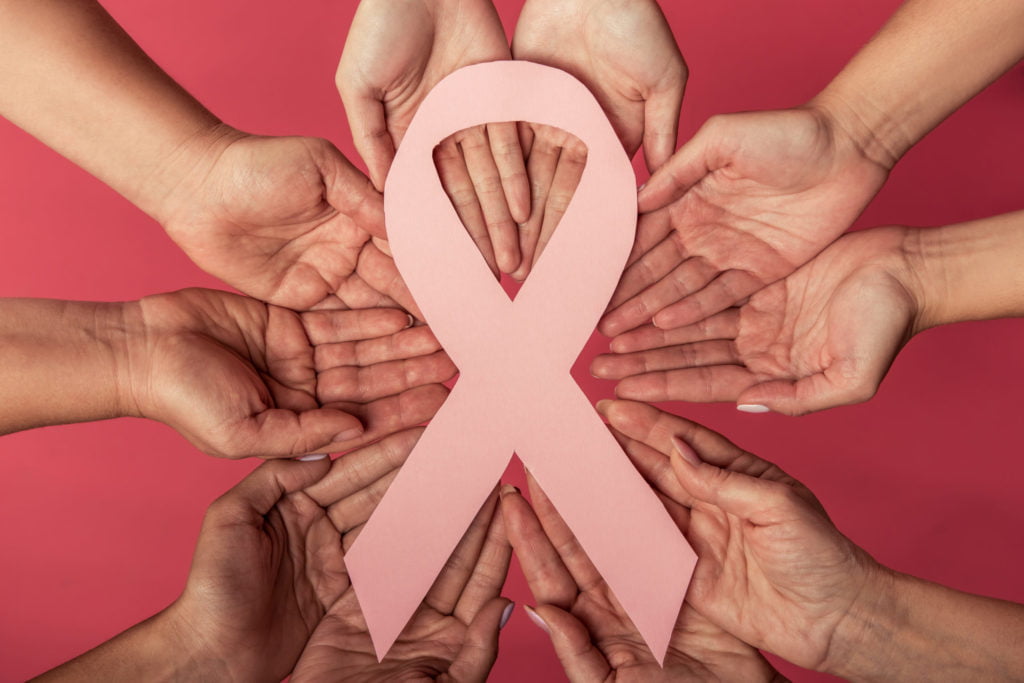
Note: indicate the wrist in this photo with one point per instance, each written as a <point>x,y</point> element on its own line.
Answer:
<point>876,136</point>
<point>177,179</point>
<point>131,357</point>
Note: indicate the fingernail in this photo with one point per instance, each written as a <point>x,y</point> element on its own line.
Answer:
<point>752,408</point>
<point>313,456</point>
<point>507,489</point>
<point>412,321</point>
<point>349,434</point>
<point>535,618</point>
<point>642,186</point>
<point>685,452</point>
<point>506,615</point>
<point>603,405</point>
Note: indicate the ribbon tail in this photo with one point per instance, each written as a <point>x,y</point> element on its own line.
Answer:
<point>616,516</point>
<point>426,511</point>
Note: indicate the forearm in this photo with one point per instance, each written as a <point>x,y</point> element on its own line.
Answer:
<point>912,629</point>
<point>60,362</point>
<point>70,76</point>
<point>928,60</point>
<point>969,271</point>
<point>151,651</point>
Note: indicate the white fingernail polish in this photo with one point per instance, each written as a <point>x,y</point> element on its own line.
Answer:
<point>412,320</point>
<point>536,618</point>
<point>752,408</point>
<point>312,457</point>
<point>506,615</point>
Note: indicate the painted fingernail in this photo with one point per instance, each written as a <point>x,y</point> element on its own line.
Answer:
<point>535,618</point>
<point>752,408</point>
<point>349,434</point>
<point>685,452</point>
<point>507,489</point>
<point>603,405</point>
<point>313,456</point>
<point>412,321</point>
<point>506,615</point>
<point>642,186</point>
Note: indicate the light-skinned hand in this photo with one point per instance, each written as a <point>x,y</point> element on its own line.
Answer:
<point>592,635</point>
<point>822,337</point>
<point>748,200</point>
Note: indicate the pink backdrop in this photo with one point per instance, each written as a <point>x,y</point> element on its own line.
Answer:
<point>99,520</point>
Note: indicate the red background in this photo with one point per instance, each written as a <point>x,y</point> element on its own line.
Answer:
<point>99,520</point>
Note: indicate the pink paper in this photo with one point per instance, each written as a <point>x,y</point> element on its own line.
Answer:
<point>515,392</point>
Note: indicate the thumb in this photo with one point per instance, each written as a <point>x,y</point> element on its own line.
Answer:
<point>264,487</point>
<point>281,433</point>
<point>480,647</point>
<point>581,659</point>
<point>751,498</point>
<point>682,171</point>
<point>368,123</point>
<point>352,193</point>
<point>828,389</point>
<point>661,125</point>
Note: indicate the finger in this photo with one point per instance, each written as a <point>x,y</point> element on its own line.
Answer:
<point>571,162</point>
<point>458,185</point>
<point>724,325</point>
<point>545,573</point>
<point>762,502</point>
<point>490,572</point>
<point>502,229</point>
<point>651,230</point>
<point>380,272</point>
<point>281,433</point>
<point>444,594</point>
<point>255,495</point>
<point>661,124</point>
<point>351,192</point>
<point>842,383</point>
<point>409,343</point>
<point>697,385</point>
<point>694,160</point>
<point>333,326</point>
<point>391,414</point>
<point>697,354</point>
<point>367,121</point>
<point>651,267</point>
<point>728,289</point>
<point>480,646</point>
<point>656,469</point>
<point>352,383</point>
<point>526,137</point>
<point>542,162</point>
<point>569,549</point>
<point>692,275</point>
<point>359,469</point>
<point>656,428</point>
<point>579,656</point>
<point>509,158</point>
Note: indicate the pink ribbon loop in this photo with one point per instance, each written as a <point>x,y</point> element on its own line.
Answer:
<point>515,392</point>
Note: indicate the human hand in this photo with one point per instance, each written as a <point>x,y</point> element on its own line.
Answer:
<point>747,201</point>
<point>822,337</point>
<point>772,570</point>
<point>238,377</point>
<point>593,637</point>
<point>287,220</point>
<point>454,634</point>
<point>639,83</point>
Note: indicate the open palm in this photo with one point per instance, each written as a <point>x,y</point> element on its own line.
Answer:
<point>747,201</point>
<point>289,221</point>
<point>592,635</point>
<point>824,336</point>
<point>239,378</point>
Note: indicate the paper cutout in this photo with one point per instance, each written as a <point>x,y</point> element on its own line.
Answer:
<point>515,392</point>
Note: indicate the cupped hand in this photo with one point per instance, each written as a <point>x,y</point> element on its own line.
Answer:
<point>592,635</point>
<point>822,337</point>
<point>238,377</point>
<point>288,220</point>
<point>624,51</point>
<point>772,570</point>
<point>394,55</point>
<point>747,201</point>
<point>453,636</point>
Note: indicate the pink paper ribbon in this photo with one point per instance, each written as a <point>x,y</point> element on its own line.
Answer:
<point>515,392</point>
